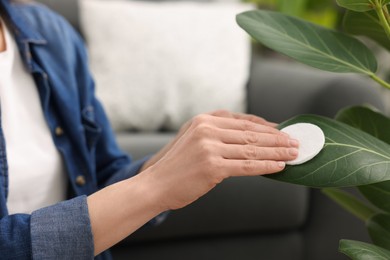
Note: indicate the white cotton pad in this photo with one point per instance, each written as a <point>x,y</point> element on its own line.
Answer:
<point>311,141</point>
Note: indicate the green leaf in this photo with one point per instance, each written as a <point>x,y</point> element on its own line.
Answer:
<point>350,157</point>
<point>376,124</point>
<point>356,5</point>
<point>366,24</point>
<point>350,203</point>
<point>308,43</point>
<point>378,194</point>
<point>362,251</point>
<point>367,120</point>
<point>379,230</point>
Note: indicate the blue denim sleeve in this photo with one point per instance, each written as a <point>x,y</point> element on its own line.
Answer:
<point>127,172</point>
<point>62,231</point>
<point>15,237</point>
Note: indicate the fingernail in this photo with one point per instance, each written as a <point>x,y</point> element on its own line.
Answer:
<point>281,164</point>
<point>293,151</point>
<point>294,143</point>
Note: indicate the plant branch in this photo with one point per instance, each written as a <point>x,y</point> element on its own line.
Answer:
<point>350,203</point>
<point>386,11</point>
<point>382,16</point>
<point>380,81</point>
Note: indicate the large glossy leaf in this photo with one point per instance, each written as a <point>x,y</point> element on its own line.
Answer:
<point>308,43</point>
<point>377,125</point>
<point>356,5</point>
<point>366,24</point>
<point>350,203</point>
<point>350,157</point>
<point>379,230</point>
<point>362,251</point>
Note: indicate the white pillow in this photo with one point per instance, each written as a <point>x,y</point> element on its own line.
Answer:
<point>157,64</point>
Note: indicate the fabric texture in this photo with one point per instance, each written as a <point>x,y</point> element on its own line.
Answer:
<point>66,223</point>
<point>179,58</point>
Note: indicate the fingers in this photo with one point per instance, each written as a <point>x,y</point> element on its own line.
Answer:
<point>252,118</point>
<point>251,152</point>
<point>253,167</point>
<point>238,144</point>
<point>256,138</point>
<point>232,124</point>
<point>245,142</point>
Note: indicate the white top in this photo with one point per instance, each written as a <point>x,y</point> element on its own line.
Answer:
<point>36,171</point>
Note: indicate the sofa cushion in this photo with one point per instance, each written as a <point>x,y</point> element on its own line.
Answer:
<point>157,64</point>
<point>274,246</point>
<point>242,205</point>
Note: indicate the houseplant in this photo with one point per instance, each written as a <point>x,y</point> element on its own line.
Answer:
<point>357,148</point>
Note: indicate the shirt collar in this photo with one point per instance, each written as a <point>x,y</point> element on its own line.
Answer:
<point>22,30</point>
<point>24,33</point>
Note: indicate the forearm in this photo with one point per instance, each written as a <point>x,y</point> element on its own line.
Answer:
<point>120,209</point>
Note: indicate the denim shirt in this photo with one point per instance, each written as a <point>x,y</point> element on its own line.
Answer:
<point>55,55</point>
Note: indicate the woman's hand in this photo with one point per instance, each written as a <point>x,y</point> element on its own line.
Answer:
<point>207,150</point>
<point>184,128</point>
<point>211,148</point>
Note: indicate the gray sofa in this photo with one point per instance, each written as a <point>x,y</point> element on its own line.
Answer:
<point>253,218</point>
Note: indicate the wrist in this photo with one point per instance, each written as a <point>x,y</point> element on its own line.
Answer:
<point>150,189</point>
<point>120,209</point>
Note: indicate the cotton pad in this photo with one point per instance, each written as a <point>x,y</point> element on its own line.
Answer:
<point>311,141</point>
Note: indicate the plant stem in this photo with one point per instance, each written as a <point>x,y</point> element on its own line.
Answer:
<point>383,14</point>
<point>382,17</point>
<point>380,81</point>
<point>386,11</point>
<point>350,203</point>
